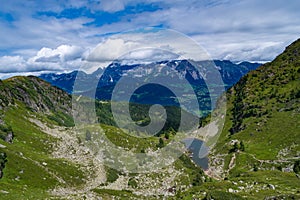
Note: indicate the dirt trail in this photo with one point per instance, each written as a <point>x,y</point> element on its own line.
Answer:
<point>232,162</point>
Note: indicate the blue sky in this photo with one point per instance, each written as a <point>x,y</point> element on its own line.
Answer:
<point>58,35</point>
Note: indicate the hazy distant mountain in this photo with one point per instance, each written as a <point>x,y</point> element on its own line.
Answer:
<point>230,72</point>
<point>169,73</point>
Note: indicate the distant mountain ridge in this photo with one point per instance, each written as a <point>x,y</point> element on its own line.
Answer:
<point>229,71</point>
<point>179,74</point>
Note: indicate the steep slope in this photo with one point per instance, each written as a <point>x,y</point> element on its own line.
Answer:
<point>261,140</point>
<point>36,95</point>
<point>30,168</point>
<point>263,94</point>
<point>231,73</point>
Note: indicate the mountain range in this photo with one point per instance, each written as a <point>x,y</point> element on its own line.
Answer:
<point>188,73</point>
<point>109,76</point>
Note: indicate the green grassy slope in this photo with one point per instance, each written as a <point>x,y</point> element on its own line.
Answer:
<point>264,107</point>
<point>24,175</point>
<point>30,169</point>
<point>263,112</point>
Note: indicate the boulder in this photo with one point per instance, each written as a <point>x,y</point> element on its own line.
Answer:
<point>272,187</point>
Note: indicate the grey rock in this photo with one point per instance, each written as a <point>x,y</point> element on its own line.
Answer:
<point>9,137</point>
<point>272,187</point>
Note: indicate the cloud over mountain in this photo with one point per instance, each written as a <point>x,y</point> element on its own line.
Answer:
<point>37,35</point>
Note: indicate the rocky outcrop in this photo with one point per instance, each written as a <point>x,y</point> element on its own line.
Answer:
<point>3,160</point>
<point>35,93</point>
<point>9,137</point>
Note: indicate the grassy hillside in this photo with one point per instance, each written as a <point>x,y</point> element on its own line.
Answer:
<point>264,105</point>
<point>41,157</point>
<point>261,136</point>
<point>30,169</point>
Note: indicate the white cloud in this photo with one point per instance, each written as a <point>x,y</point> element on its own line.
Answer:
<point>31,33</point>
<point>237,30</point>
<point>147,45</point>
<point>112,5</point>
<point>12,64</point>
<point>111,49</point>
<point>149,55</point>
<point>8,75</point>
<point>60,54</point>
<point>62,58</point>
<point>244,47</point>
